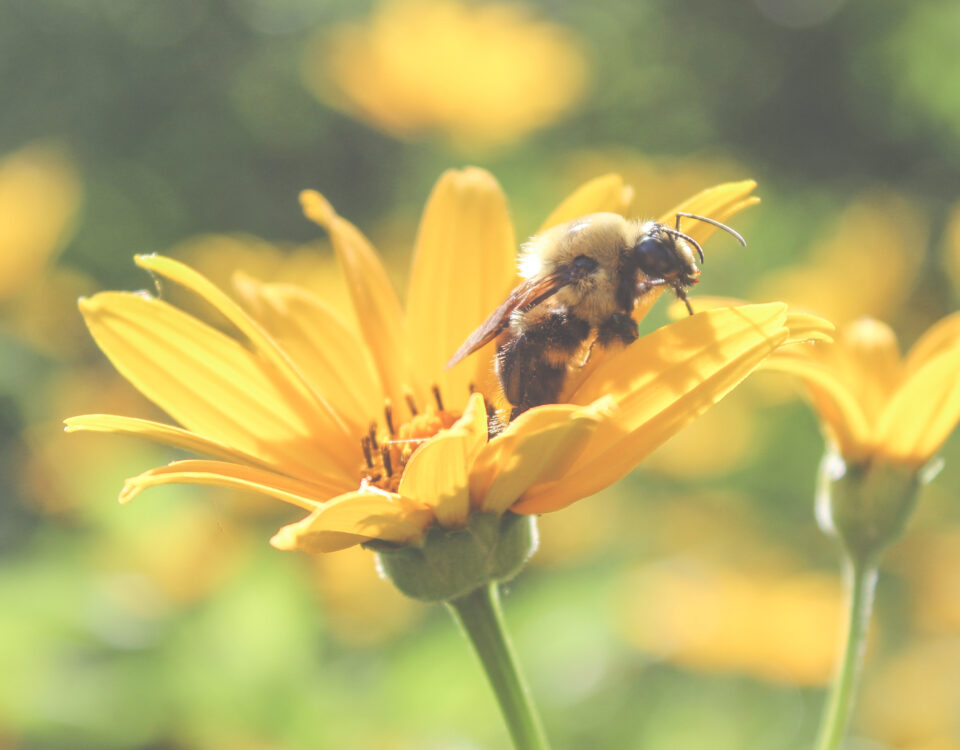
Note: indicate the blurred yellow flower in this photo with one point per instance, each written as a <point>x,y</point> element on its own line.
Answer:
<point>657,182</point>
<point>480,75</point>
<point>865,266</point>
<point>929,561</point>
<point>39,198</point>
<point>913,701</point>
<point>715,618</point>
<point>875,405</point>
<point>361,607</point>
<point>388,445</point>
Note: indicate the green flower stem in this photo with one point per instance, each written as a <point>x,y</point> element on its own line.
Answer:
<point>861,577</point>
<point>482,621</point>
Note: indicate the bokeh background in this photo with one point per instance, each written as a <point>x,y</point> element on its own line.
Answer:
<point>695,605</point>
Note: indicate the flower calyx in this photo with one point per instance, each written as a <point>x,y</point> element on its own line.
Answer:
<point>866,506</point>
<point>450,563</point>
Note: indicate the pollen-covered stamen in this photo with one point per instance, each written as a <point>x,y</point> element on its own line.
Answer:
<point>387,460</point>
<point>386,452</point>
<point>388,417</point>
<point>367,453</point>
<point>411,404</point>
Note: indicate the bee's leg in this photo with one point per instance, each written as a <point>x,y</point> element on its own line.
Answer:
<point>533,364</point>
<point>618,327</point>
<point>648,284</point>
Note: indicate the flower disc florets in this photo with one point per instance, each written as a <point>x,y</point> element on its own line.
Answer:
<point>388,447</point>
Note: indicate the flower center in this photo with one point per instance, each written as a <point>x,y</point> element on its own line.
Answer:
<point>388,447</point>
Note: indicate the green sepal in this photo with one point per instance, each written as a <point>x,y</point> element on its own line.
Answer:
<point>866,506</point>
<point>450,563</point>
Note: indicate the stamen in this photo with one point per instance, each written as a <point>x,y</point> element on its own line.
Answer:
<point>436,397</point>
<point>388,417</point>
<point>471,387</point>
<point>411,404</point>
<point>387,461</point>
<point>367,454</point>
<point>373,436</point>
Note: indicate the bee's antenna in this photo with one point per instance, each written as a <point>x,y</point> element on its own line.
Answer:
<point>737,236</point>
<point>687,237</point>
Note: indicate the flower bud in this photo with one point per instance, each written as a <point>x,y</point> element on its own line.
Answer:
<point>450,563</point>
<point>866,506</point>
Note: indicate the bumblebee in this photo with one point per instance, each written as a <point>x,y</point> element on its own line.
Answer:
<point>582,281</point>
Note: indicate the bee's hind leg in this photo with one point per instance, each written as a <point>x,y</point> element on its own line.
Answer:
<point>618,327</point>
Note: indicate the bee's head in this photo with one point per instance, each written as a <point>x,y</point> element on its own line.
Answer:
<point>664,253</point>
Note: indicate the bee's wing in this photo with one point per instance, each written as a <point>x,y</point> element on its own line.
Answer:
<point>526,295</point>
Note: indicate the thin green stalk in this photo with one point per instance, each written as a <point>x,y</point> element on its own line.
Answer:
<point>861,578</point>
<point>482,621</point>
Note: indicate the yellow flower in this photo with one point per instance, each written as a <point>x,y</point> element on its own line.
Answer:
<point>371,434</point>
<point>481,75</point>
<point>875,241</point>
<point>716,618</point>
<point>874,404</point>
<point>39,197</point>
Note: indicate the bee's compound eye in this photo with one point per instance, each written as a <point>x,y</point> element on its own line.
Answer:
<point>584,263</point>
<point>655,257</point>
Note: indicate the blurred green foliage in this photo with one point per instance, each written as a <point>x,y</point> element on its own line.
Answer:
<point>186,117</point>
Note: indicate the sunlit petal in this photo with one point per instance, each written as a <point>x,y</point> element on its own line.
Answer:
<point>835,402</point>
<point>205,380</point>
<point>157,432</point>
<point>353,518</point>
<point>924,411</point>
<point>660,383</point>
<point>374,300</point>
<point>606,193</point>
<point>329,354</point>
<point>308,495</point>
<point>289,379</point>
<point>942,335</point>
<point>463,269</point>
<point>537,444</point>
<point>872,358</point>
<point>437,474</point>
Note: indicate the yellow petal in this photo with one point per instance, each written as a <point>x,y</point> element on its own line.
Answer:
<point>157,432</point>
<point>924,411</point>
<point>207,382</point>
<point>807,328</point>
<point>868,351</point>
<point>329,354</point>
<point>606,193</point>
<point>289,379</point>
<point>804,327</point>
<point>660,383</point>
<point>701,303</point>
<point>463,268</point>
<point>375,302</point>
<point>308,495</point>
<point>837,406</point>
<point>942,335</point>
<point>363,515</point>
<point>536,446</point>
<point>719,202</point>
<point>437,474</point>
